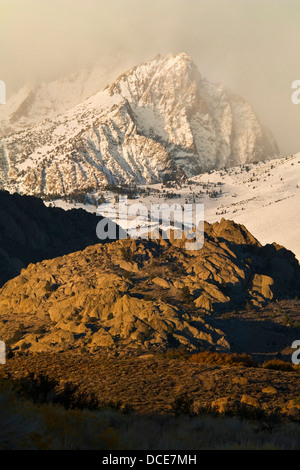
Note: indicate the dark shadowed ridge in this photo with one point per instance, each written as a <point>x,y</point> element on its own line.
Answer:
<point>31,232</point>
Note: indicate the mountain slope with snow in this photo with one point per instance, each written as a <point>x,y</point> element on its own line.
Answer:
<point>157,121</point>
<point>265,197</point>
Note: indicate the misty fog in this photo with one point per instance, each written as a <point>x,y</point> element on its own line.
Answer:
<point>248,45</point>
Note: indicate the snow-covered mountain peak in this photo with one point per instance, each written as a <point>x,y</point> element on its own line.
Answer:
<point>161,78</point>
<point>158,120</point>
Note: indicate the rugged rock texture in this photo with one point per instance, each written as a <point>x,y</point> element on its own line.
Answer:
<point>144,295</point>
<point>157,121</point>
<point>31,232</point>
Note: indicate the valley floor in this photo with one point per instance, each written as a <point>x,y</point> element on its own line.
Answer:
<point>151,383</point>
<point>148,402</point>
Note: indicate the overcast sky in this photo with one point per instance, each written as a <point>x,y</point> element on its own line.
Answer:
<point>251,46</point>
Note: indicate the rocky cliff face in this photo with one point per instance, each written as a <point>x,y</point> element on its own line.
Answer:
<point>144,295</point>
<point>159,120</point>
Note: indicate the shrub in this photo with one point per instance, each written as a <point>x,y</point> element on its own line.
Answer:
<point>147,297</point>
<point>40,330</point>
<point>187,297</point>
<point>185,293</point>
<point>127,275</point>
<point>42,389</point>
<point>173,353</point>
<point>277,364</point>
<point>268,421</point>
<point>18,335</point>
<point>155,264</point>
<point>209,357</point>
<point>126,253</point>
<point>49,287</point>
<point>183,405</point>
<point>93,319</point>
<point>38,389</point>
<point>227,316</point>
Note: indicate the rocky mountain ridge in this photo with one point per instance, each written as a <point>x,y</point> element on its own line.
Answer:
<point>144,295</point>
